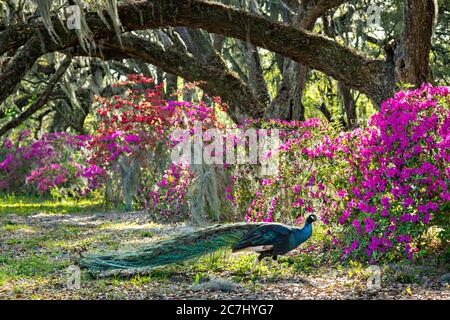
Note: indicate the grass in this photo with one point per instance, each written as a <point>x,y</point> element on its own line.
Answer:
<point>39,239</point>
<point>37,267</point>
<point>11,227</point>
<point>33,266</point>
<point>27,205</point>
<point>30,252</point>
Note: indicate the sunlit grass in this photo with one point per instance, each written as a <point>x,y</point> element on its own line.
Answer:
<point>36,254</point>
<point>16,228</point>
<point>129,226</point>
<point>27,205</point>
<point>29,267</point>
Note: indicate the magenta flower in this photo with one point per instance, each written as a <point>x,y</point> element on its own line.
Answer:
<point>369,225</point>
<point>132,138</point>
<point>354,245</point>
<point>342,193</point>
<point>4,165</point>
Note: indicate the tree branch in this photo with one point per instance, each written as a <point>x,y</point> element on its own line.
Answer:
<point>18,66</point>
<point>41,101</point>
<point>313,9</point>
<point>312,50</point>
<point>215,81</point>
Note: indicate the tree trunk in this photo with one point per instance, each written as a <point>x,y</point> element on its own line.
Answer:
<point>412,64</point>
<point>374,77</point>
<point>171,84</point>
<point>256,73</point>
<point>349,105</point>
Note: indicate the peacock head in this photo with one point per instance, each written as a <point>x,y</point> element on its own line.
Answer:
<point>311,218</point>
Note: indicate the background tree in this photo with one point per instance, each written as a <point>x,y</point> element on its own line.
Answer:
<point>259,56</point>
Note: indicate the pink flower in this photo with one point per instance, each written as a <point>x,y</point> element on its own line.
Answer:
<point>356,224</point>
<point>344,216</point>
<point>407,202</point>
<point>4,165</point>
<point>342,193</point>
<point>354,245</point>
<point>7,144</point>
<point>369,225</point>
<point>132,138</point>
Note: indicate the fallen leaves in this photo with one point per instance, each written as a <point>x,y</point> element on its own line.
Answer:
<point>56,241</point>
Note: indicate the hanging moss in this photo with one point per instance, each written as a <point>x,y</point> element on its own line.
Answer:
<point>44,9</point>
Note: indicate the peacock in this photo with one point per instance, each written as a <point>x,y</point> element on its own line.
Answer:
<point>267,239</point>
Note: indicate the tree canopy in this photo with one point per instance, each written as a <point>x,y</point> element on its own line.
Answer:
<point>275,59</point>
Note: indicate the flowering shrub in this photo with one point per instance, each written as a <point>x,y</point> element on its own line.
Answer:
<point>55,161</point>
<point>400,169</point>
<point>49,176</point>
<point>282,197</point>
<point>378,189</point>
<point>134,138</point>
<point>129,152</point>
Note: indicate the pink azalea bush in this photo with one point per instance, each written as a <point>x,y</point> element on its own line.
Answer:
<point>400,169</point>
<point>281,197</point>
<point>54,161</point>
<point>137,129</point>
<point>378,189</point>
<point>134,130</point>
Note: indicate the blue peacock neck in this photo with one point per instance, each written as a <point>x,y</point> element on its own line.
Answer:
<point>304,233</point>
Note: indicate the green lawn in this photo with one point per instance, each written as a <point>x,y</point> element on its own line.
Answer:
<point>27,205</point>
<point>40,239</point>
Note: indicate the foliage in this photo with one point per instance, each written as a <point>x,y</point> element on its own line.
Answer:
<point>134,137</point>
<point>55,162</point>
<point>379,189</point>
<point>401,174</point>
<point>382,190</point>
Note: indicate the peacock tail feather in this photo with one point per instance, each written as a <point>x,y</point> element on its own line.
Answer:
<point>171,251</point>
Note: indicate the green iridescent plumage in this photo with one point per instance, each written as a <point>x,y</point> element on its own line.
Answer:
<point>170,251</point>
<point>270,239</point>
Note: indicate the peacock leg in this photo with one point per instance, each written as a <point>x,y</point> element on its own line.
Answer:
<point>254,267</point>
<point>275,260</point>
<point>270,264</point>
<point>260,258</point>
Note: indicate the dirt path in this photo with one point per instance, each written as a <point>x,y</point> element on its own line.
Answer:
<point>36,250</point>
